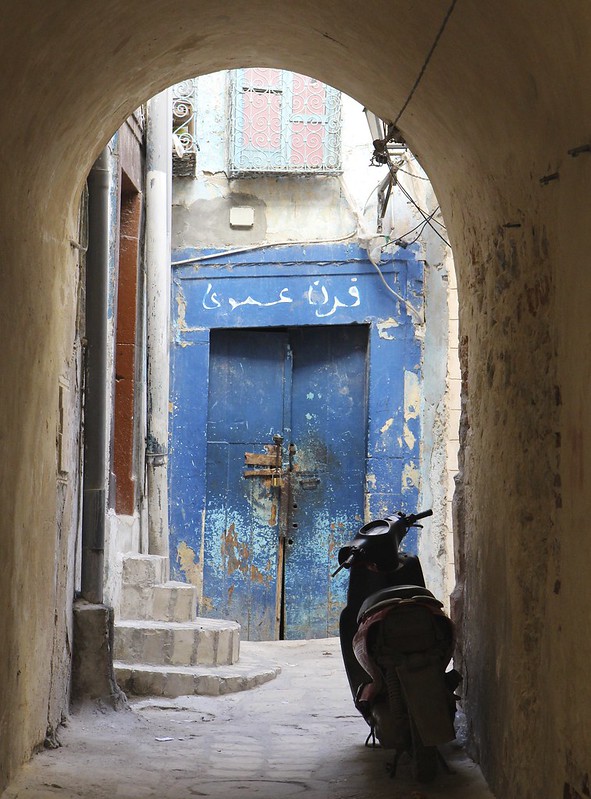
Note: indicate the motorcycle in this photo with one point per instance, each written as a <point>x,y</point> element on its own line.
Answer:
<point>396,643</point>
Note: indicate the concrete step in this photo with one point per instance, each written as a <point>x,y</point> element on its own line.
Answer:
<point>143,570</point>
<point>204,642</point>
<point>172,681</point>
<point>171,601</point>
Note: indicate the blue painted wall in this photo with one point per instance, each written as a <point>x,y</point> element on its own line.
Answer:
<point>290,287</point>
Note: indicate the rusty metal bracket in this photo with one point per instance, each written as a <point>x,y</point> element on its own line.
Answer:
<point>259,459</point>
<point>259,472</point>
<point>308,483</point>
<point>272,459</point>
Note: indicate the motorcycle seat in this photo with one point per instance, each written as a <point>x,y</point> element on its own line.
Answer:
<point>395,594</point>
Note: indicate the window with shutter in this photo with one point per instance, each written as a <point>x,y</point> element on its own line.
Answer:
<point>283,122</point>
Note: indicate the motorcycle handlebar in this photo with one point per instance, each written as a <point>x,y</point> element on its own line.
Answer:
<point>346,564</point>
<point>416,516</point>
<point>371,533</point>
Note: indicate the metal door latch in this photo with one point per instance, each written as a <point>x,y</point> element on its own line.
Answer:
<point>267,464</point>
<point>308,483</point>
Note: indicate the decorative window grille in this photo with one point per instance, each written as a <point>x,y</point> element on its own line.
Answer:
<point>283,122</point>
<point>184,117</point>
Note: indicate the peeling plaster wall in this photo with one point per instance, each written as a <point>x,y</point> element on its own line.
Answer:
<point>505,97</point>
<point>439,441</point>
<point>286,208</point>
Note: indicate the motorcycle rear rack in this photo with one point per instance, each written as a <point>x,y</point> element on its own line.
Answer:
<point>398,595</point>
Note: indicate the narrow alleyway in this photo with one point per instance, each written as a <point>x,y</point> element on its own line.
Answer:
<point>298,734</point>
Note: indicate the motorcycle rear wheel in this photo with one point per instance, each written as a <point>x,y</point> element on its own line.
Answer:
<point>424,758</point>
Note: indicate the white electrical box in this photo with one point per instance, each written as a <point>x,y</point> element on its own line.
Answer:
<point>242,216</point>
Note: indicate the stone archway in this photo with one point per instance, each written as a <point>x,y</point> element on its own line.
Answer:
<point>500,121</point>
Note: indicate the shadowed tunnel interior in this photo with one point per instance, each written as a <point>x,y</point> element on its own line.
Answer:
<point>500,121</point>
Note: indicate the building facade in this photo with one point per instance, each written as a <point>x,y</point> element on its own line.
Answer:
<point>281,234</point>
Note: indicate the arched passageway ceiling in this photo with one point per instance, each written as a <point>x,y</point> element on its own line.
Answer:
<point>493,88</point>
<point>505,97</point>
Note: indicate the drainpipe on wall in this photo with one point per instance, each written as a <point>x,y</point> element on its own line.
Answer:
<point>93,676</point>
<point>95,402</point>
<point>158,247</point>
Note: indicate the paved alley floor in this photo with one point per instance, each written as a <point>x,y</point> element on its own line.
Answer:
<point>298,735</point>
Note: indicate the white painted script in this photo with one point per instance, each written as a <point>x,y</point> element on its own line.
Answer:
<point>317,296</point>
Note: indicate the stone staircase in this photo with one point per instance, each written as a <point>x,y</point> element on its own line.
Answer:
<point>160,646</point>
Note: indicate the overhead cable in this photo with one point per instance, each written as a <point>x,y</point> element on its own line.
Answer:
<point>412,175</point>
<point>265,245</point>
<point>424,214</point>
<point>426,63</point>
<point>422,224</point>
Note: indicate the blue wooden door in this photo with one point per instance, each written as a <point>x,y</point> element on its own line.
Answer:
<point>242,534</point>
<point>285,474</point>
<point>327,472</point>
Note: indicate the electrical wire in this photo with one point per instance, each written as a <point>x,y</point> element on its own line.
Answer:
<point>426,62</point>
<point>394,169</point>
<point>226,253</point>
<point>371,194</point>
<point>422,224</point>
<point>431,217</point>
<point>427,217</point>
<point>411,308</point>
<point>424,214</point>
<point>406,172</point>
<point>420,233</point>
<point>440,224</point>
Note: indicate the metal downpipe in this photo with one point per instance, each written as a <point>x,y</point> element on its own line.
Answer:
<point>95,402</point>
<point>157,249</point>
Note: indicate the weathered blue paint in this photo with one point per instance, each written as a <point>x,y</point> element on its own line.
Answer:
<point>328,420</point>
<point>241,545</point>
<point>290,288</point>
<point>307,385</point>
